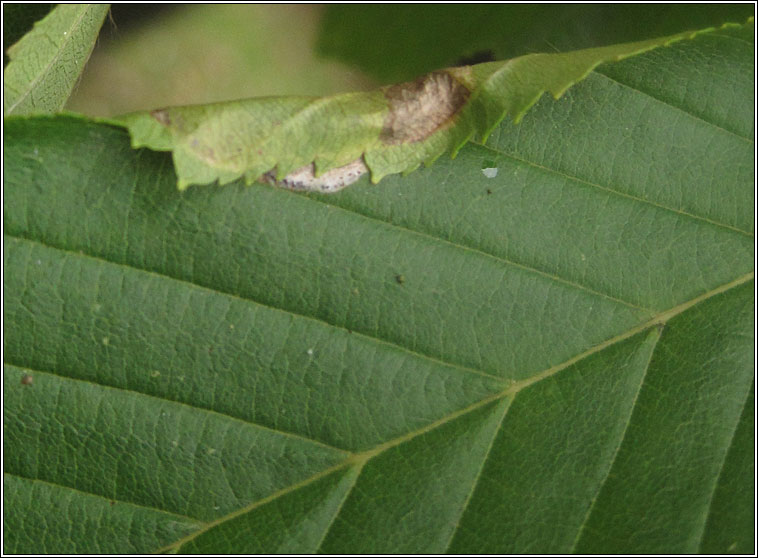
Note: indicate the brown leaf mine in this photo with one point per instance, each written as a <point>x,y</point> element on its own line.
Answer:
<point>331,181</point>
<point>161,115</point>
<point>420,108</point>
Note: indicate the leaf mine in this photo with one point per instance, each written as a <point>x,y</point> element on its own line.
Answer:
<point>331,181</point>
<point>420,108</point>
<point>394,129</point>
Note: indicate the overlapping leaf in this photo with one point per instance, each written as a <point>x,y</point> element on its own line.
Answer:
<point>47,61</point>
<point>394,129</point>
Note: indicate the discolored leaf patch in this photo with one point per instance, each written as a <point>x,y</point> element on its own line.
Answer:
<point>331,181</point>
<point>421,107</point>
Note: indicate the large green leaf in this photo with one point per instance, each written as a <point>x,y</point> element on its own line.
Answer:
<point>45,64</point>
<point>391,130</point>
<point>554,356</point>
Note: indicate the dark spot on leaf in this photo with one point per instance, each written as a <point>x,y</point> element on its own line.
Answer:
<point>420,108</point>
<point>478,57</point>
<point>400,279</point>
<point>27,380</point>
<point>489,191</point>
<point>161,116</point>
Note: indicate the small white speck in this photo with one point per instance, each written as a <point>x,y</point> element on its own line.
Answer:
<point>65,32</point>
<point>216,507</point>
<point>310,352</point>
<point>39,262</point>
<point>106,341</point>
<point>490,172</point>
<point>174,443</point>
<point>155,373</point>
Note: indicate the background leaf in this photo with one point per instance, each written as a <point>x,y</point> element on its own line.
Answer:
<point>45,64</point>
<point>392,42</point>
<point>18,19</point>
<point>555,358</point>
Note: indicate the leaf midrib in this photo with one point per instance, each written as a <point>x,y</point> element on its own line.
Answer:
<point>360,459</point>
<point>656,318</point>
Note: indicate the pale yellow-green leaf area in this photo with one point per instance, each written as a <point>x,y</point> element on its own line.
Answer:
<point>291,141</point>
<point>46,63</point>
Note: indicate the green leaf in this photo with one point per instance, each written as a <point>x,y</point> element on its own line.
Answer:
<point>395,42</point>
<point>391,130</point>
<point>554,357</point>
<point>47,61</point>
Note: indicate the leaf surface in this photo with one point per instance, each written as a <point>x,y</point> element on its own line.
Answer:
<point>554,357</point>
<point>46,63</point>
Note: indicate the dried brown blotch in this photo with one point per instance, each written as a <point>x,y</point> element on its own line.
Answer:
<point>27,380</point>
<point>161,115</point>
<point>420,108</point>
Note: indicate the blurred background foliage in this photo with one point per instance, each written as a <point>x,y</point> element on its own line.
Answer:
<point>155,55</point>
<point>397,42</point>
